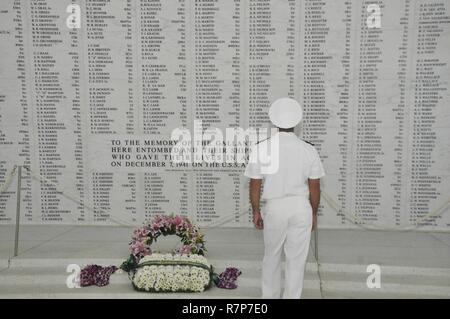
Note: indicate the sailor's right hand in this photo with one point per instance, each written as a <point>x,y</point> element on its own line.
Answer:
<point>314,222</point>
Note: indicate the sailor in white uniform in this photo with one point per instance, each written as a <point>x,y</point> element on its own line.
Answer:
<point>292,195</point>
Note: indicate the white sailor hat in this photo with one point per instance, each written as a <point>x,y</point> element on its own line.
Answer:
<point>285,112</point>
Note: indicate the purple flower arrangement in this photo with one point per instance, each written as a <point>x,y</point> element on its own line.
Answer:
<point>227,279</point>
<point>96,275</point>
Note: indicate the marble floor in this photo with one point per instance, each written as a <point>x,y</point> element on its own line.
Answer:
<point>412,264</point>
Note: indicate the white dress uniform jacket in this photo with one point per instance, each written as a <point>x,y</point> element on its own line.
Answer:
<point>298,161</point>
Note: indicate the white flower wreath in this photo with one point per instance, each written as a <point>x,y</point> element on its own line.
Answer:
<point>172,273</point>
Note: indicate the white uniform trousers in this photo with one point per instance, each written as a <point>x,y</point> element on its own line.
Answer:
<point>287,224</point>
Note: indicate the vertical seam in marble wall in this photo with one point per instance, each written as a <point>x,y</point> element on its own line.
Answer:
<point>190,107</point>
<point>353,100</point>
<point>245,200</point>
<point>409,103</point>
<point>140,189</point>
<point>30,106</point>
<point>84,105</point>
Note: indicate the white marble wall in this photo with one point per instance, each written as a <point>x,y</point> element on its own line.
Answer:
<point>375,100</point>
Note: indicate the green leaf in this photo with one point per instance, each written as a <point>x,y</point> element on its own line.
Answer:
<point>129,264</point>
<point>215,278</point>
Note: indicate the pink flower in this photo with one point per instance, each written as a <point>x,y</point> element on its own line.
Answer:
<point>178,220</point>
<point>140,233</point>
<point>185,249</point>
<point>138,248</point>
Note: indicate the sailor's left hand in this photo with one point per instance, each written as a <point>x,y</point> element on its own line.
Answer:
<point>257,220</point>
